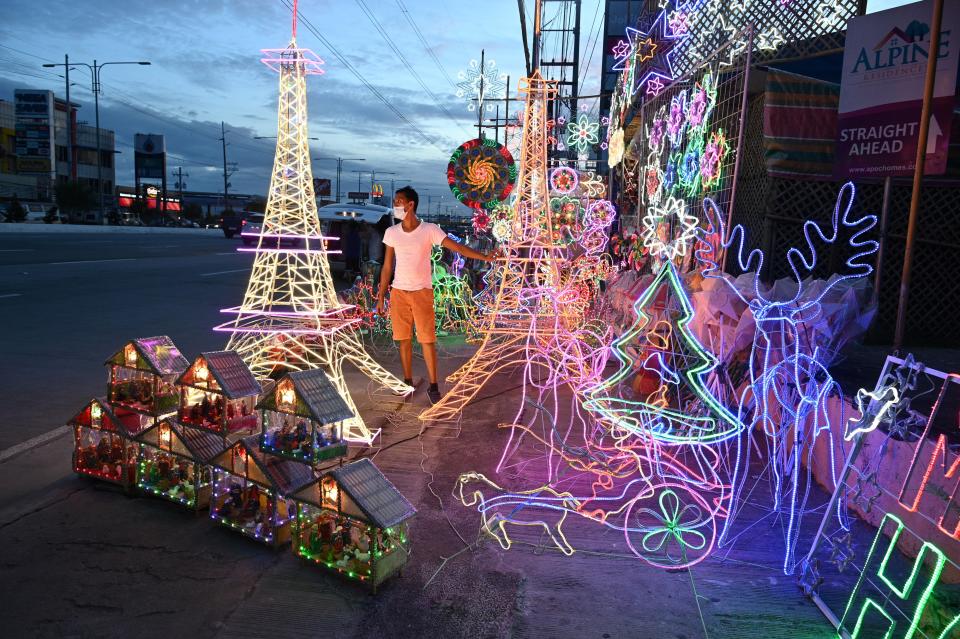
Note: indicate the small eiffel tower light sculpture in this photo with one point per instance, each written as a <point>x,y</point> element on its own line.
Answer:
<point>524,310</point>
<point>291,318</point>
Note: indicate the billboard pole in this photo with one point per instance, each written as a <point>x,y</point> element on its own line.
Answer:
<point>918,174</point>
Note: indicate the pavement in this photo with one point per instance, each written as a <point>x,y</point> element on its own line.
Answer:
<point>79,559</point>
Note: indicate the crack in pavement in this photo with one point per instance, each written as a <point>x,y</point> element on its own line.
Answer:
<point>42,507</point>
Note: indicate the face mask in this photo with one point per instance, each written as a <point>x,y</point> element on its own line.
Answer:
<point>399,212</point>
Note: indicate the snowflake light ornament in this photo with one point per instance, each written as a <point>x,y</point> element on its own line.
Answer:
<point>476,85</point>
<point>501,230</point>
<point>668,230</point>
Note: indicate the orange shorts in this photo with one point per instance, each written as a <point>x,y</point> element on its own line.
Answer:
<point>413,307</point>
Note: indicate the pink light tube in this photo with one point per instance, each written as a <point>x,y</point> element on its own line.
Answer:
<point>291,237</point>
<point>284,250</point>
<point>276,58</point>
<point>325,313</point>
<point>282,331</point>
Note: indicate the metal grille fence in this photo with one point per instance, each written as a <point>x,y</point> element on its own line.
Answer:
<point>773,210</point>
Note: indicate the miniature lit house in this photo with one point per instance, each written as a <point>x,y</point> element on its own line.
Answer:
<point>174,463</point>
<point>302,418</point>
<point>250,491</point>
<point>218,394</point>
<point>143,375</point>
<point>353,521</point>
<point>104,445</point>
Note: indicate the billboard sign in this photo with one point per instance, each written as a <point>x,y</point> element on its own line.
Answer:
<point>150,156</point>
<point>358,195</point>
<point>34,131</point>
<point>881,91</point>
<point>321,186</point>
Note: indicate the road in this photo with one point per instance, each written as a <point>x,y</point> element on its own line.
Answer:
<point>69,301</point>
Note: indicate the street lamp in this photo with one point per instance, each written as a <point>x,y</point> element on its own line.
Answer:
<point>340,162</point>
<point>95,70</point>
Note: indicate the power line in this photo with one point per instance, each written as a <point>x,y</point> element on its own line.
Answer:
<point>386,36</point>
<point>423,41</point>
<point>347,65</point>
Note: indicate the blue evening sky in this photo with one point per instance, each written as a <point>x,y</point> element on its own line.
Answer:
<point>205,56</point>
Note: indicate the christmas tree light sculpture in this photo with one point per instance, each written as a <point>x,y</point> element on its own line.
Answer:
<point>524,307</point>
<point>291,318</point>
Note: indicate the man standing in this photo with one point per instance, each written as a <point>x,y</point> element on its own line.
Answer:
<point>411,300</point>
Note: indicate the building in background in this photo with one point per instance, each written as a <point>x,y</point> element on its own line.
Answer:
<point>34,147</point>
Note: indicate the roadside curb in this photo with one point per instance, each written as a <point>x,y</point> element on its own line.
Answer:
<point>35,442</point>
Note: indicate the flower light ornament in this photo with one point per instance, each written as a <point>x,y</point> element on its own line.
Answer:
<point>657,229</point>
<point>502,230</point>
<point>714,151</point>
<point>583,133</point>
<point>677,529</point>
<point>689,169</point>
<point>616,149</point>
<point>564,180</point>
<point>677,118</point>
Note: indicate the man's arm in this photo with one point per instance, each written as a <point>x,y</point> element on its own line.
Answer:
<point>386,276</point>
<point>465,251</point>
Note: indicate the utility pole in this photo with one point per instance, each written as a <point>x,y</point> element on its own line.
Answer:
<point>95,88</point>
<point>480,96</point>
<point>925,111</point>
<point>226,174</point>
<point>180,184</point>
<point>340,162</point>
<point>66,75</point>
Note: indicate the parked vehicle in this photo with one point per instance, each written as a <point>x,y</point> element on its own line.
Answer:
<point>336,219</point>
<point>231,221</point>
<point>250,228</point>
<point>37,211</point>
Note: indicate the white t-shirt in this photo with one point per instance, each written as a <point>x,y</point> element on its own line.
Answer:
<point>413,271</point>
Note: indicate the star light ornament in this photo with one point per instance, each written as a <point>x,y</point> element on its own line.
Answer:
<point>668,230</point>
<point>829,14</point>
<point>476,85</point>
<point>650,54</point>
<point>770,39</point>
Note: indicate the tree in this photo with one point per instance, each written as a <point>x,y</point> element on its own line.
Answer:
<point>257,204</point>
<point>74,198</point>
<point>15,211</point>
<point>193,211</point>
<point>660,347</point>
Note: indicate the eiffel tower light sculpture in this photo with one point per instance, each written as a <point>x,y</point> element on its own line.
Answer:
<point>291,318</point>
<point>525,310</point>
